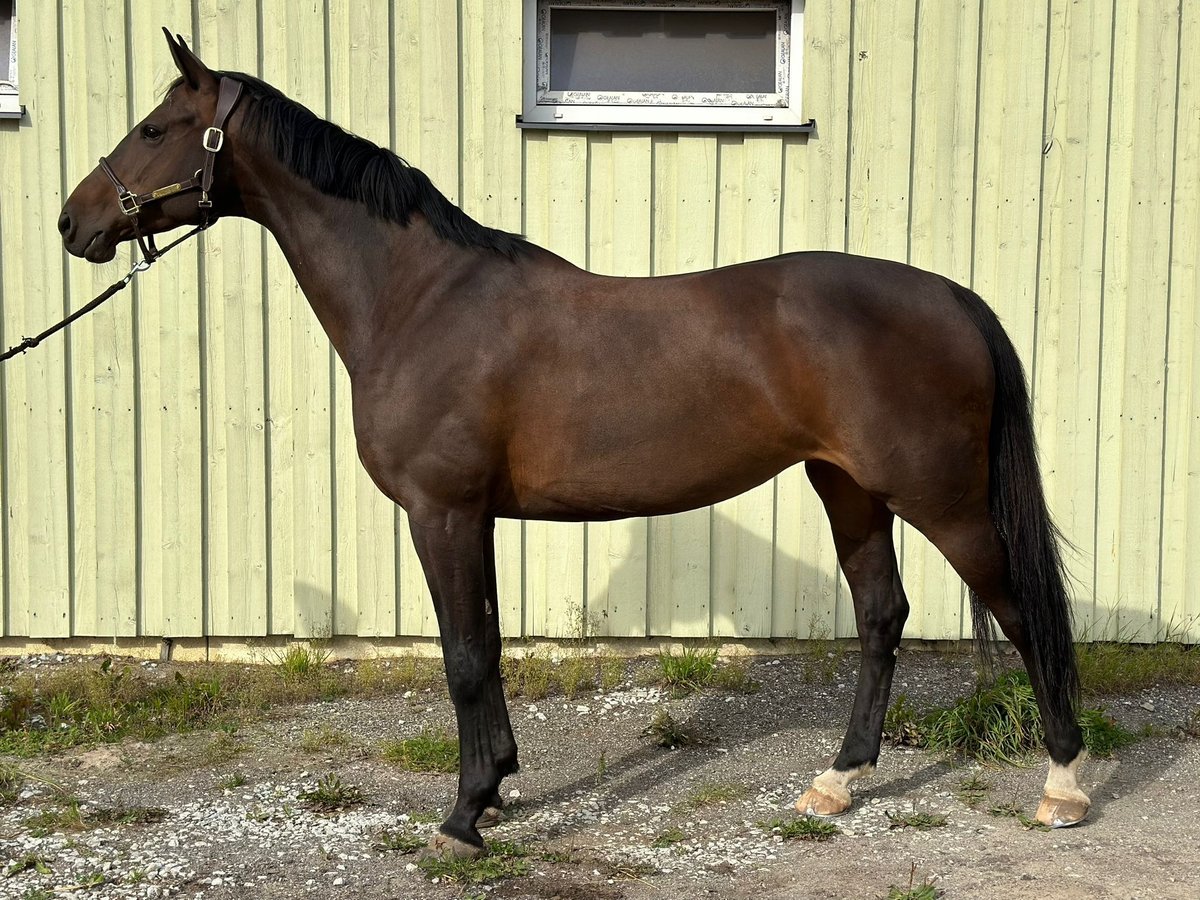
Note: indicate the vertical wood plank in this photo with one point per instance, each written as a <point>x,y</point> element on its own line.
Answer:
<point>366,578</point>
<point>1137,266</point>
<point>1181,488</point>
<point>167,304</point>
<point>298,370</point>
<point>619,211</point>
<point>806,573</point>
<point>685,229</point>
<point>492,188</point>
<point>227,38</point>
<point>35,452</point>
<point>1070,292</point>
<point>102,384</point>
<point>940,241</point>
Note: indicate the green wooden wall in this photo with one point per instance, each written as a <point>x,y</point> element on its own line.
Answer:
<point>183,463</point>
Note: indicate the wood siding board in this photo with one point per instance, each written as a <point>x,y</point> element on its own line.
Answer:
<point>167,344</point>
<point>298,367</point>
<point>1181,488</point>
<point>1137,267</point>
<point>36,453</point>
<point>943,162</point>
<point>1072,266</point>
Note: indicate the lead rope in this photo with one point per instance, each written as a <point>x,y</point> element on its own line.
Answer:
<point>141,266</point>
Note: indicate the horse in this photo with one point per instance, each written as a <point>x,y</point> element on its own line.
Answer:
<point>493,379</point>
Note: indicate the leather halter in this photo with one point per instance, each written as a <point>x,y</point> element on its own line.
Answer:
<point>214,139</point>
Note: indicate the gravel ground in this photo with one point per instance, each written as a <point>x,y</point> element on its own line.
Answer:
<point>595,793</point>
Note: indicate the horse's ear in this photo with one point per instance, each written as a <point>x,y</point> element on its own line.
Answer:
<point>194,72</point>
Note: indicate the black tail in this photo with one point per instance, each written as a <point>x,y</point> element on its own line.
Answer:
<point>1037,576</point>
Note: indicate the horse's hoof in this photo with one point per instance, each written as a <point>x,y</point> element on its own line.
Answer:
<point>489,818</point>
<point>821,805</point>
<point>442,846</point>
<point>1061,812</point>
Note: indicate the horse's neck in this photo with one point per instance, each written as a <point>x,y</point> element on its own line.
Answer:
<point>358,272</point>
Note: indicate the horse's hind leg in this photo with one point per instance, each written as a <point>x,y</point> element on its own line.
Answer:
<point>971,544</point>
<point>862,534</point>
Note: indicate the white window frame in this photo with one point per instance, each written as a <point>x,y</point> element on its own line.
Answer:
<point>777,111</point>
<point>10,98</point>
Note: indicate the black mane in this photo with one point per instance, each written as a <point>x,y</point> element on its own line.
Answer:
<point>344,165</point>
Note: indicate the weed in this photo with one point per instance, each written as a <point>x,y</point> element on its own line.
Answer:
<point>529,676</point>
<point>314,740</point>
<point>575,674</point>
<point>822,655</point>
<point>301,663</point>
<point>671,734</point>
<point>331,795</point>
<point>62,819</point>
<point>1101,733</point>
<point>388,840</point>
<point>668,838</point>
<point>689,671</point>
<point>223,747</point>
<point>11,782</point>
<point>125,815</point>
<point>713,793</point>
<point>1191,726</point>
<point>802,829</point>
<point>429,751</point>
<point>136,877</point>
<point>37,894</point>
<point>612,673</point>
<point>973,788</point>
<point>1107,668</point>
<point>735,678</point>
<point>1011,810</point>
<point>917,820</point>
<point>624,869</point>
<point>504,859</point>
<point>377,678</point>
<point>232,781</point>
<point>903,726</point>
<point>92,880</point>
<point>923,891</point>
<point>29,861</point>
<point>601,768</point>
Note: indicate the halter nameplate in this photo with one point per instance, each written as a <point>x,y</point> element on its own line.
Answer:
<point>165,191</point>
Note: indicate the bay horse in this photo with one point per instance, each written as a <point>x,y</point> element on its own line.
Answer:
<point>491,378</point>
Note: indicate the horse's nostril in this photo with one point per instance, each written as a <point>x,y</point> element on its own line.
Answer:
<point>64,224</point>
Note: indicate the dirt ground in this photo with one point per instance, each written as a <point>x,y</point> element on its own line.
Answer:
<point>595,796</point>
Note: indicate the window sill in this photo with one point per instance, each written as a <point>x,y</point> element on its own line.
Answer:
<point>780,128</point>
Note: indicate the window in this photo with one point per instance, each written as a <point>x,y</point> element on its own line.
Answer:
<point>10,103</point>
<point>666,64</point>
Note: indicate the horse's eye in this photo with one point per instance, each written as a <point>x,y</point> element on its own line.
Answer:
<point>151,132</point>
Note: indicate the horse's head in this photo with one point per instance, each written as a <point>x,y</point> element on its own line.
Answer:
<point>164,173</point>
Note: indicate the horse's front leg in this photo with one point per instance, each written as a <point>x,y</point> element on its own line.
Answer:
<point>451,546</point>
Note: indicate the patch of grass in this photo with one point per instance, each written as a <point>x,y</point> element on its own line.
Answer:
<point>34,861</point>
<point>232,781</point>
<point>331,795</point>
<point>917,820</point>
<point>430,751</point>
<point>903,726</point>
<point>688,671</point>
<point>315,740</point>
<point>37,894</point>
<point>224,747</point>
<point>972,789</point>
<point>1112,668</point>
<point>300,662</point>
<point>125,815</point>
<point>528,676</point>
<point>12,780</point>
<point>504,859</point>
<point>612,673</point>
<point>1191,726</point>
<point>64,818</point>
<point>926,890</point>
<point>734,676</point>
<point>576,674</point>
<point>713,793</point>
<point>380,678</point>
<point>999,722</point>
<point>672,735</point>
<point>390,840</point>
<point>802,829</point>
<point>821,654</point>
<point>1101,733</point>
<point>668,838</point>
<point>92,880</point>
<point>633,871</point>
<point>1012,810</point>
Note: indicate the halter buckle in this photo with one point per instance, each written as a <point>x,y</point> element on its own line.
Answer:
<point>212,134</point>
<point>128,203</point>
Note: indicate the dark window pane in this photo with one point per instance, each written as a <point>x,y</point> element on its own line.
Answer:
<point>662,50</point>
